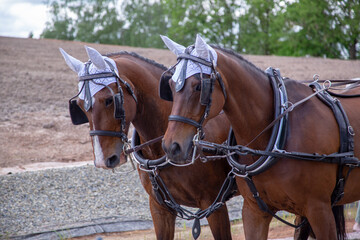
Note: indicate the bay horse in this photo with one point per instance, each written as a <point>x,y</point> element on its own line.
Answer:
<point>196,185</point>
<point>246,95</point>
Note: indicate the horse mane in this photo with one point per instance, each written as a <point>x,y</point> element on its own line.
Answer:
<point>248,64</point>
<point>134,54</point>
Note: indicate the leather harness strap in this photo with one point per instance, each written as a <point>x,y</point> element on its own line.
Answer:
<point>189,121</point>
<point>97,75</point>
<point>194,59</point>
<point>163,195</point>
<point>346,139</point>
<point>345,156</point>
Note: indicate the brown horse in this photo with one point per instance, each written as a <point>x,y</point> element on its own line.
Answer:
<point>195,185</point>
<point>245,94</point>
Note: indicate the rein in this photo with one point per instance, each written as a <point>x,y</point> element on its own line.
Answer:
<point>163,196</point>
<point>146,165</point>
<point>243,170</point>
<point>335,83</point>
<point>162,193</point>
<point>245,150</point>
<point>282,115</point>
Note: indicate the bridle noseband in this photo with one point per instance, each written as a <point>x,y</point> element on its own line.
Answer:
<point>118,100</point>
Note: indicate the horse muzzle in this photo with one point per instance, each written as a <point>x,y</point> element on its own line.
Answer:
<point>176,152</point>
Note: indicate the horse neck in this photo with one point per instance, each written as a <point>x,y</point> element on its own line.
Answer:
<point>152,113</point>
<point>249,106</point>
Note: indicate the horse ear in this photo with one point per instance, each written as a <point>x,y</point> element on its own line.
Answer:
<point>96,58</point>
<point>74,64</point>
<point>173,46</point>
<point>201,47</point>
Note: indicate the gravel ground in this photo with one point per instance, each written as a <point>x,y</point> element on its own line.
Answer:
<point>49,200</point>
<point>38,205</point>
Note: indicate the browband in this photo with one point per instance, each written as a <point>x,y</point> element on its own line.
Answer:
<point>97,75</point>
<point>195,59</point>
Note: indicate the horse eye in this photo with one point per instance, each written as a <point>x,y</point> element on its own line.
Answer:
<point>198,87</point>
<point>108,101</point>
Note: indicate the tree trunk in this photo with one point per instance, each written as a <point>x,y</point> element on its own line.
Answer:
<point>352,50</point>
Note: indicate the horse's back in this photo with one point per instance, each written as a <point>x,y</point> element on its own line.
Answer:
<point>309,122</point>
<point>314,121</point>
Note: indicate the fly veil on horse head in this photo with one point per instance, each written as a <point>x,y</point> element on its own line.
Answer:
<point>149,115</point>
<point>302,166</point>
<point>98,73</point>
<point>204,69</point>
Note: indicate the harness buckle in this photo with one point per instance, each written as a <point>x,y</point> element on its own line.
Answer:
<point>351,131</point>
<point>256,195</point>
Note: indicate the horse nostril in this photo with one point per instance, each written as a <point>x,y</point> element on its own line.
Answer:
<point>175,149</point>
<point>112,161</point>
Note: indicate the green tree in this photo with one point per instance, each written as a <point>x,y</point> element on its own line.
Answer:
<point>60,26</point>
<point>91,21</point>
<point>212,19</point>
<point>347,26</point>
<point>311,30</point>
<point>283,27</point>
<point>222,21</point>
<point>97,21</point>
<point>260,27</point>
<point>145,22</point>
<point>186,18</point>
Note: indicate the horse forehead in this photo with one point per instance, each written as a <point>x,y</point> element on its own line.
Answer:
<point>105,92</point>
<point>191,68</point>
<point>94,87</point>
<point>93,70</point>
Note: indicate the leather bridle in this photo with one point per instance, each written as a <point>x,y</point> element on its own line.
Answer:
<point>208,82</point>
<point>118,99</point>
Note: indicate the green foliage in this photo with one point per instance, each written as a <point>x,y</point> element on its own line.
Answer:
<point>61,26</point>
<point>320,28</point>
<point>260,27</point>
<point>312,29</point>
<point>90,21</point>
<point>222,21</point>
<point>97,21</point>
<point>347,20</point>
<point>186,18</point>
<point>145,22</point>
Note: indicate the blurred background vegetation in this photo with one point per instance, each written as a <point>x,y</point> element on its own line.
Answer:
<point>321,28</point>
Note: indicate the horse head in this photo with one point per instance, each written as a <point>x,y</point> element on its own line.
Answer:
<point>197,92</point>
<point>100,101</point>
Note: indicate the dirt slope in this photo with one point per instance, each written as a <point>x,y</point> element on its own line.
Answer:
<point>36,85</point>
